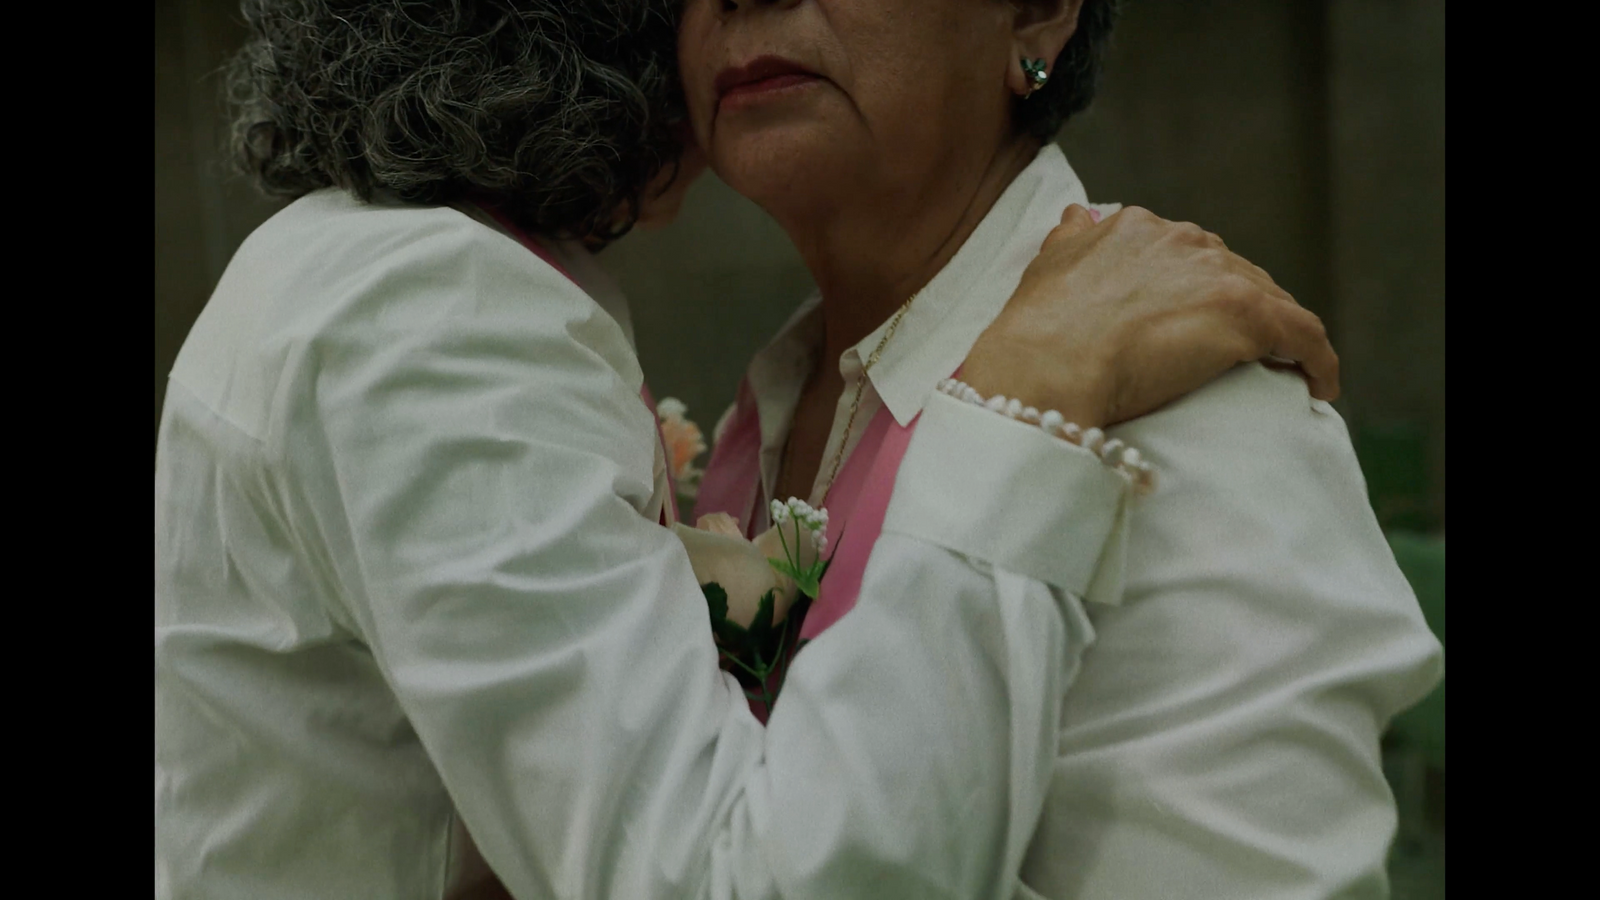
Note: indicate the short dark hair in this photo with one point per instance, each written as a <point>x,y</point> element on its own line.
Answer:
<point>558,111</point>
<point>1075,76</point>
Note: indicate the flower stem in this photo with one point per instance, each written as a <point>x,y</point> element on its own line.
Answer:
<point>741,664</point>
<point>793,560</point>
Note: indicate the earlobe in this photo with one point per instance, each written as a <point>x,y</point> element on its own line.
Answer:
<point>1042,29</point>
<point>1035,73</point>
<point>1028,74</point>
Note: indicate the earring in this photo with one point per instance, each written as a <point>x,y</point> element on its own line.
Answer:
<point>1034,71</point>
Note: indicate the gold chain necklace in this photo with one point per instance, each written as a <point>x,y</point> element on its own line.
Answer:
<point>855,402</point>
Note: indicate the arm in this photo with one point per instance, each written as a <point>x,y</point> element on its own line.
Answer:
<point>478,463</point>
<point>1222,741</point>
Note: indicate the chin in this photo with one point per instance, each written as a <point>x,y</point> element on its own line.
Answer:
<point>781,166</point>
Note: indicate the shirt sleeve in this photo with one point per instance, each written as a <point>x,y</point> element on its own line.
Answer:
<point>1223,741</point>
<point>476,461</point>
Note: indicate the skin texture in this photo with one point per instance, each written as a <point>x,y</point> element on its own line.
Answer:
<point>882,165</point>
<point>1129,314</point>
<point>879,168</point>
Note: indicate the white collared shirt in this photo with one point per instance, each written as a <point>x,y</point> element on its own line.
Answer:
<point>414,614</point>
<point>1252,638</point>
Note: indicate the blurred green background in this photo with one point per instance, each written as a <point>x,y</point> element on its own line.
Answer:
<point>1308,133</point>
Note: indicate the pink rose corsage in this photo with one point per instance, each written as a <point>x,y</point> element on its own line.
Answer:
<point>757,591</point>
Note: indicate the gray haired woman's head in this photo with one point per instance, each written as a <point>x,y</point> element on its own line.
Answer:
<point>559,112</point>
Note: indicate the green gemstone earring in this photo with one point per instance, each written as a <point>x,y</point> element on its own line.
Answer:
<point>1035,72</point>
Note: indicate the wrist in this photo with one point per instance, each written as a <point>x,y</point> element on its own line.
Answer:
<point>1072,395</point>
<point>1053,422</point>
<point>1010,362</point>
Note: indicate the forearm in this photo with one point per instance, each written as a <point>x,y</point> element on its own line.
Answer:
<point>478,480</point>
<point>591,744</point>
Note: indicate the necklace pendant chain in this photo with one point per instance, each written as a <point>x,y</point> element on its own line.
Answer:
<point>855,402</point>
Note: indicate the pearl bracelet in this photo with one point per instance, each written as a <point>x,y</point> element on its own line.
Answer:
<point>1112,452</point>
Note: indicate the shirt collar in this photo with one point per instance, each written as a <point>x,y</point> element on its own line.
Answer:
<point>779,371</point>
<point>944,321</point>
<point>947,316</point>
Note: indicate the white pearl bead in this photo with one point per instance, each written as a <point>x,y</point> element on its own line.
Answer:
<point>1111,452</point>
<point>1093,439</point>
<point>997,403</point>
<point>1131,458</point>
<point>1072,433</point>
<point>1051,421</point>
<point>1030,415</point>
<point>1014,408</point>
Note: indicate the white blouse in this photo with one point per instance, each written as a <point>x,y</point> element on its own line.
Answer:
<point>1251,637</point>
<point>414,612</point>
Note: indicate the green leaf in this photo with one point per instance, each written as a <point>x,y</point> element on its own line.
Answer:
<point>717,602</point>
<point>761,626</point>
<point>733,636</point>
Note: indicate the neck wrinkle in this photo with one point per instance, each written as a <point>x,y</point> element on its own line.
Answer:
<point>867,259</point>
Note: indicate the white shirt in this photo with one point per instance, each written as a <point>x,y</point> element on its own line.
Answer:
<point>1251,638</point>
<point>412,605</point>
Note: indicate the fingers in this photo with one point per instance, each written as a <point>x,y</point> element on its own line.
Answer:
<point>1074,220</point>
<point>1304,339</point>
<point>1195,235</point>
<point>1275,326</point>
<point>1240,267</point>
<point>1259,275</point>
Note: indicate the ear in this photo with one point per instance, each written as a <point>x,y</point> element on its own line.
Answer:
<point>1041,29</point>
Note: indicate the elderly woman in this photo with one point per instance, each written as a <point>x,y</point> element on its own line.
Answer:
<point>1245,636</point>
<point>417,615</point>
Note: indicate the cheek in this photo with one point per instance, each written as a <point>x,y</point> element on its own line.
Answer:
<point>694,66</point>
<point>913,71</point>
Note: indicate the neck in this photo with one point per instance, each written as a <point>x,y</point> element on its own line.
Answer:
<point>872,252</point>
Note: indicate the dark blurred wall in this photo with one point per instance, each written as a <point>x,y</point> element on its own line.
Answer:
<point>1310,135</point>
<point>202,213</point>
<point>1386,102</point>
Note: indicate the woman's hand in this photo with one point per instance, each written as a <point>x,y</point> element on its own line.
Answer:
<point>1116,319</point>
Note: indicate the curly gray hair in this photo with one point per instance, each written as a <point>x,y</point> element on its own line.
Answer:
<point>558,112</point>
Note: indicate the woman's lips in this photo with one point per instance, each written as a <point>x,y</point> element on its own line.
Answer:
<point>753,92</point>
<point>764,79</point>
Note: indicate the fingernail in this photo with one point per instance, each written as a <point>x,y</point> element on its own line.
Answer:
<point>1094,214</point>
